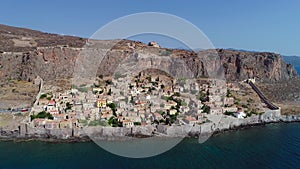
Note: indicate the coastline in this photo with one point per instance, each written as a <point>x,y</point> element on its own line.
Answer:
<point>255,125</point>
<point>194,132</point>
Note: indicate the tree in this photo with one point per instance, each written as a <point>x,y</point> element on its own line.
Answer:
<point>137,123</point>
<point>148,78</point>
<point>113,121</point>
<point>155,122</point>
<point>228,113</point>
<point>206,109</point>
<point>229,94</point>
<point>68,106</point>
<point>43,96</point>
<point>108,82</point>
<point>173,118</point>
<point>203,96</point>
<point>42,115</point>
<point>162,121</point>
<point>109,92</point>
<point>113,107</point>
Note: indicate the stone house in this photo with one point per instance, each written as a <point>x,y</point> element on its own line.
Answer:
<point>158,116</point>
<point>38,122</point>
<point>230,109</point>
<point>50,124</point>
<point>190,120</point>
<point>216,110</point>
<point>127,123</point>
<point>59,117</point>
<point>66,124</point>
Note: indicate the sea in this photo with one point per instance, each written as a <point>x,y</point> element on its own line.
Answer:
<point>298,69</point>
<point>273,146</point>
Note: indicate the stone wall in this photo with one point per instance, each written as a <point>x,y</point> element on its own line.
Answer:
<point>224,123</point>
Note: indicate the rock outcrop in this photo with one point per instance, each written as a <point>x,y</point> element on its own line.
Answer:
<point>50,56</point>
<point>262,65</point>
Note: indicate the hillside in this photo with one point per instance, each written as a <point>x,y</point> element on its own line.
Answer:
<point>28,53</point>
<point>264,66</point>
<point>13,39</point>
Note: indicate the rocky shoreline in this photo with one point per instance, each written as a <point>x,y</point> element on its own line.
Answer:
<point>297,120</point>
<point>224,124</point>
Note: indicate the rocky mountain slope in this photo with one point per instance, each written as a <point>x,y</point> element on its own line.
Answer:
<point>262,65</point>
<point>25,53</point>
<point>13,39</point>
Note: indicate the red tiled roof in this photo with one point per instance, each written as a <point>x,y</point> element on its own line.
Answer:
<point>51,102</point>
<point>190,118</point>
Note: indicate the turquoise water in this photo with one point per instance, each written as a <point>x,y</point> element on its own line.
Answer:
<point>270,146</point>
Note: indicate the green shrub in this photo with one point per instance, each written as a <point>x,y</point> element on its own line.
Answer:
<point>108,82</point>
<point>95,123</point>
<point>137,123</point>
<point>100,76</point>
<point>206,109</point>
<point>83,122</point>
<point>228,113</point>
<point>203,97</point>
<point>229,94</point>
<point>109,92</point>
<point>42,115</point>
<point>43,96</point>
<point>165,98</point>
<point>113,121</point>
<point>113,107</point>
<point>68,106</point>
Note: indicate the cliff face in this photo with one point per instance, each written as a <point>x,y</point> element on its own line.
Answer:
<point>48,63</point>
<point>178,63</point>
<point>261,65</point>
<point>24,54</point>
<point>58,63</point>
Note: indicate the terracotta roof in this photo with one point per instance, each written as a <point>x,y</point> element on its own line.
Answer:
<point>190,118</point>
<point>51,102</point>
<point>127,121</point>
<point>38,120</point>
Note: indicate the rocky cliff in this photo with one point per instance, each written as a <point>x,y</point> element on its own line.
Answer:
<point>24,54</point>
<point>262,65</point>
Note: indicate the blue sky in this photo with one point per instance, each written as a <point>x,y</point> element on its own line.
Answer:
<point>261,25</point>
